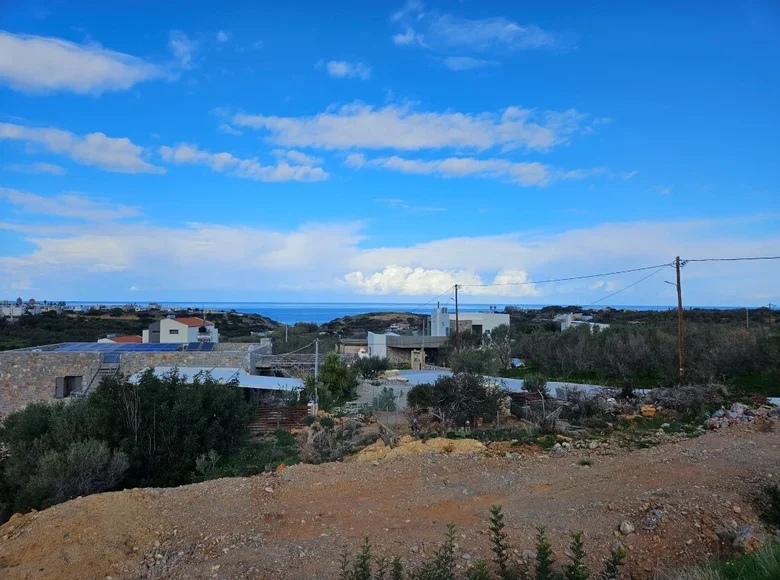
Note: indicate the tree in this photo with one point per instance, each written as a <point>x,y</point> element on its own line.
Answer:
<point>501,342</point>
<point>338,378</point>
<point>371,367</point>
<point>478,361</point>
<point>456,399</point>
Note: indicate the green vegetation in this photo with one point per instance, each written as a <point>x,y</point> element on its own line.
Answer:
<point>52,328</point>
<point>763,564</point>
<point>442,564</point>
<point>453,400</point>
<point>371,367</point>
<point>158,432</point>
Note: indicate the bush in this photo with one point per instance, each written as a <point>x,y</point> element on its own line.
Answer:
<point>84,468</point>
<point>536,384</point>
<point>476,361</point>
<point>385,401</point>
<point>371,367</point>
<point>769,505</point>
<point>332,444</point>
<point>455,399</point>
<point>338,378</point>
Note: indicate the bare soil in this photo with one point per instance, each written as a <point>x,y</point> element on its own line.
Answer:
<point>295,523</point>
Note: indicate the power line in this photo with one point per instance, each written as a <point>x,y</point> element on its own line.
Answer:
<point>421,306</point>
<point>733,259</point>
<point>629,286</point>
<point>657,266</point>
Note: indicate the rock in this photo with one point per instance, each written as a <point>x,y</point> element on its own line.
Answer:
<point>617,546</point>
<point>374,463</point>
<point>415,548</point>
<point>529,555</point>
<point>746,540</point>
<point>269,489</point>
<point>665,426</point>
<point>467,556</point>
<point>626,527</point>
<point>593,445</point>
<point>736,509</point>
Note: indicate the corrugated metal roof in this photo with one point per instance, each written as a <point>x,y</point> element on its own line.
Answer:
<point>228,374</point>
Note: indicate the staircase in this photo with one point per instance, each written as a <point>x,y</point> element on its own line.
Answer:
<point>269,418</point>
<point>106,370</point>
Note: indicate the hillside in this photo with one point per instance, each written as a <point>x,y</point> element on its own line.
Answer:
<point>50,327</point>
<point>360,324</point>
<point>679,497</point>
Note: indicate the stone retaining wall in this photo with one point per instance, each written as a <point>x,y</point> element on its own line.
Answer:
<point>133,362</point>
<point>28,377</point>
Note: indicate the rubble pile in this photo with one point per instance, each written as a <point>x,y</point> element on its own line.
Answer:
<point>740,414</point>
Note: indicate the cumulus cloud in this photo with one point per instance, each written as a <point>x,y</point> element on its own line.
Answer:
<point>40,64</point>
<point>67,205</point>
<point>39,167</point>
<point>344,69</point>
<point>405,280</point>
<point>408,38</point>
<point>401,127</point>
<point>228,130</point>
<point>222,36</point>
<point>250,168</point>
<point>336,260</point>
<point>117,154</point>
<point>182,48</point>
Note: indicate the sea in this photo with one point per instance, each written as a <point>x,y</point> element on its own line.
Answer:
<point>321,312</point>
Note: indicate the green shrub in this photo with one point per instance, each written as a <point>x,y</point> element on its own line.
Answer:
<point>456,399</point>
<point>385,401</point>
<point>536,384</point>
<point>371,367</point>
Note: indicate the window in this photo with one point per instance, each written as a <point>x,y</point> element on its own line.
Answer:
<point>173,331</point>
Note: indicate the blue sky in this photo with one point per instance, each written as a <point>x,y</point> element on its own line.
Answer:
<point>365,151</point>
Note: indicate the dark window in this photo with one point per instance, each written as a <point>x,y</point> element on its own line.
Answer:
<point>173,331</point>
<point>67,385</point>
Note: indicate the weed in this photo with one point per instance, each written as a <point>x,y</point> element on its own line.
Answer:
<point>577,570</point>
<point>585,462</point>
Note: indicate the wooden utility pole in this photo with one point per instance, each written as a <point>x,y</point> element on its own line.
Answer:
<point>457,322</point>
<point>680,338</point>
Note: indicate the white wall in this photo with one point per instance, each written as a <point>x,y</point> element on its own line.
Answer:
<point>377,345</point>
<point>440,322</point>
<point>168,324</point>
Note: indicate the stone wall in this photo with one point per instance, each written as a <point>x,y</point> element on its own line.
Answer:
<point>28,377</point>
<point>399,356</point>
<point>133,362</point>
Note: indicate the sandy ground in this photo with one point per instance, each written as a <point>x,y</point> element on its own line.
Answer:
<point>295,523</point>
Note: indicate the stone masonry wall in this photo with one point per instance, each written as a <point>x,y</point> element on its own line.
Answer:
<point>28,377</point>
<point>133,362</point>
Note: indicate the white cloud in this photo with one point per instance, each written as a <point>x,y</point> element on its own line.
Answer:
<point>344,69</point>
<point>228,130</point>
<point>395,203</point>
<point>39,64</point>
<point>182,48</point>
<point>408,38</point>
<point>67,205</point>
<point>522,173</point>
<point>443,32</point>
<point>297,157</point>
<point>317,259</point>
<point>405,280</point>
<point>39,167</point>
<point>133,289</point>
<point>222,36</point>
<point>117,154</point>
<point>246,168</point>
<point>663,189</point>
<point>467,63</point>
<point>402,127</point>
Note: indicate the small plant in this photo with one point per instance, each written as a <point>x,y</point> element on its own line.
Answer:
<point>498,543</point>
<point>536,384</point>
<point>480,571</point>
<point>612,564</point>
<point>627,391</point>
<point>577,570</point>
<point>544,557</point>
<point>396,569</point>
<point>310,419</point>
<point>585,462</point>
<point>327,422</point>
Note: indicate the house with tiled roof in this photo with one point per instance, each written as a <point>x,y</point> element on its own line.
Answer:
<point>181,330</point>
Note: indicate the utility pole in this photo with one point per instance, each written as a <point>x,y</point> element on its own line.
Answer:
<point>680,338</point>
<point>457,322</point>
<point>316,369</point>
<point>422,350</point>
<point>747,318</point>
<point>285,333</point>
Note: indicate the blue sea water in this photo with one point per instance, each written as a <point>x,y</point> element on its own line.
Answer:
<point>321,312</point>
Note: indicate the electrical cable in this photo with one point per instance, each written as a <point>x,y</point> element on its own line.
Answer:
<point>627,287</point>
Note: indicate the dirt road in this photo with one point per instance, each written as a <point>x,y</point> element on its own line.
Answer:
<point>294,524</point>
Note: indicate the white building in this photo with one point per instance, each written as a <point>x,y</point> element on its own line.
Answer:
<point>569,321</point>
<point>181,330</point>
<point>443,321</point>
